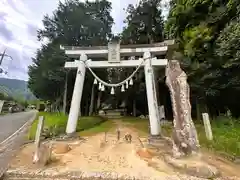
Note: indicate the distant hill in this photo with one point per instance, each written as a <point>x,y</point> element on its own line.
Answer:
<point>16,88</point>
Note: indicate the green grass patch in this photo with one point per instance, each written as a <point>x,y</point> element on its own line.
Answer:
<point>226,136</point>
<point>140,124</point>
<point>106,126</point>
<point>57,122</point>
<point>226,133</point>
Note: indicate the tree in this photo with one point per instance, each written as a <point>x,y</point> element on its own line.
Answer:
<point>144,23</point>
<point>227,49</point>
<point>46,75</point>
<point>197,25</point>
<point>73,23</point>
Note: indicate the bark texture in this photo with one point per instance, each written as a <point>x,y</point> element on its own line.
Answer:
<point>185,139</point>
<point>92,101</point>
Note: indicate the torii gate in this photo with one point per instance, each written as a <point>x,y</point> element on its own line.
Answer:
<point>113,52</point>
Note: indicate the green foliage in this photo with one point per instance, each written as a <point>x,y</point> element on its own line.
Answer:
<point>73,23</point>
<point>226,134</point>
<point>207,33</point>
<point>140,124</point>
<point>47,74</point>
<point>229,57</point>
<point>144,23</point>
<point>106,126</point>
<point>53,131</point>
<point>55,124</point>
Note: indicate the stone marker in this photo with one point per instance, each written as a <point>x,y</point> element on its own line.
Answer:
<point>185,138</point>
<point>207,126</point>
<point>38,139</point>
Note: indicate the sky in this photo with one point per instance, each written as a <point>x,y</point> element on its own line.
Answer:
<point>19,22</point>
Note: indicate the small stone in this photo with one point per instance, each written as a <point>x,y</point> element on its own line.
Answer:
<point>61,148</point>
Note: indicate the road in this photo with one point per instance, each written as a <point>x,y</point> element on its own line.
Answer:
<point>10,123</point>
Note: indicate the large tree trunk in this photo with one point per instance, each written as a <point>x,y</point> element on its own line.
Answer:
<point>198,110</point>
<point>99,99</point>
<point>86,108</point>
<point>134,108</point>
<point>65,94</point>
<point>92,101</point>
<point>185,139</point>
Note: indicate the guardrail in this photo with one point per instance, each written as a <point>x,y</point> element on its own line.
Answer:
<point>9,147</point>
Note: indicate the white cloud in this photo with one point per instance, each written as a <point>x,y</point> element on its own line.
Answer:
<point>21,17</point>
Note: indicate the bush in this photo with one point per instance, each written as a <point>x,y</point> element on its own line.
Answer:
<point>55,124</point>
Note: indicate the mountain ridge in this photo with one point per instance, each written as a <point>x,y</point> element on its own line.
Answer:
<point>16,88</point>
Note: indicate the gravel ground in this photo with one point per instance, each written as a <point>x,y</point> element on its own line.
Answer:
<point>112,160</point>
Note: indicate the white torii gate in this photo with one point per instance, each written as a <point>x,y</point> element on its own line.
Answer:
<point>113,53</point>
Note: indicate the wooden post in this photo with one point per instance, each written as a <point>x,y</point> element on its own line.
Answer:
<point>207,126</point>
<point>38,138</point>
<point>118,134</point>
<point>105,136</point>
<point>1,105</point>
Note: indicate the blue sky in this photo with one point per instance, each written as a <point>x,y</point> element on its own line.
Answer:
<point>19,21</point>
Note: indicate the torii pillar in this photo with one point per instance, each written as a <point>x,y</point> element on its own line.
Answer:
<point>151,96</point>
<point>77,96</point>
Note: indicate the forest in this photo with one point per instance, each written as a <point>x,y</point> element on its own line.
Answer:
<point>207,34</point>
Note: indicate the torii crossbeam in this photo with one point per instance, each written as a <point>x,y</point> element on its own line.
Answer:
<point>113,53</point>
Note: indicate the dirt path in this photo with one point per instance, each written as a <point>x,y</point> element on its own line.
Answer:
<point>113,156</point>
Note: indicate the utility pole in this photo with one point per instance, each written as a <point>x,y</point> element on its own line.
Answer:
<point>2,55</point>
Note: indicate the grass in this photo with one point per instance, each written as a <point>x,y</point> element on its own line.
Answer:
<point>226,134</point>
<point>103,127</point>
<point>137,123</point>
<point>59,121</point>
